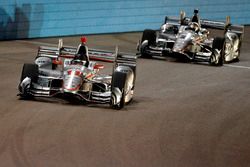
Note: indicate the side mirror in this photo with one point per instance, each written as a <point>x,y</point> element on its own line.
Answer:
<point>98,66</point>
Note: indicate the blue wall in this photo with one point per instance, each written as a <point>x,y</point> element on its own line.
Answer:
<point>43,18</point>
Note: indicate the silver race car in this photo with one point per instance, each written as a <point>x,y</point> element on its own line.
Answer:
<point>189,38</point>
<point>68,72</point>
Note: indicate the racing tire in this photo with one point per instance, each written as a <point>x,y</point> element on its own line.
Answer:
<point>119,80</point>
<point>218,43</point>
<point>31,71</point>
<point>239,48</point>
<point>149,35</point>
<point>237,59</point>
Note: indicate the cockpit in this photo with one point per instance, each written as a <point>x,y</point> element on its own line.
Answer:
<point>193,26</point>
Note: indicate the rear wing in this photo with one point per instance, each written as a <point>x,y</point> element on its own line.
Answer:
<point>69,52</point>
<point>46,51</point>
<point>205,23</point>
<point>123,59</point>
<point>220,25</point>
<point>94,54</point>
<point>173,20</point>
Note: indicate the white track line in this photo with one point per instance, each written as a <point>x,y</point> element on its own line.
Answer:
<point>237,66</point>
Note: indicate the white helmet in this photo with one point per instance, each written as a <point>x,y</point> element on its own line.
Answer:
<point>194,26</point>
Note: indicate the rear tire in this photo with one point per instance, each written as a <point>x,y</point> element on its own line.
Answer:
<point>119,80</point>
<point>219,44</point>
<point>237,59</point>
<point>149,35</point>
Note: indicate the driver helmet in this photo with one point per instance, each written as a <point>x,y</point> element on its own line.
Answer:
<point>194,26</point>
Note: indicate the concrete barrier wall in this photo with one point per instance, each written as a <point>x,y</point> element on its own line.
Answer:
<point>44,18</point>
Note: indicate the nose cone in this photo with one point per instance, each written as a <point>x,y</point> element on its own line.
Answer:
<point>178,46</point>
<point>183,40</point>
<point>72,81</point>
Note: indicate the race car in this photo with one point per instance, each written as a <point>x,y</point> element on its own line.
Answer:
<point>189,38</point>
<point>70,73</point>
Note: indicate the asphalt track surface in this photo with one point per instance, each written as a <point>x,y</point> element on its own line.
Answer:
<point>183,114</point>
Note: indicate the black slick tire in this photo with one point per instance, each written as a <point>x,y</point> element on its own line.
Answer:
<point>31,71</point>
<point>149,35</point>
<point>219,43</point>
<point>119,80</point>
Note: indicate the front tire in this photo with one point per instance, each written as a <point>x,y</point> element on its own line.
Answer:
<point>119,80</point>
<point>150,36</point>
<point>217,58</point>
<point>30,71</point>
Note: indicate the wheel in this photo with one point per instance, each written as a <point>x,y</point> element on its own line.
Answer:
<point>31,71</point>
<point>237,59</point>
<point>217,58</point>
<point>232,47</point>
<point>119,80</point>
<point>149,35</point>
